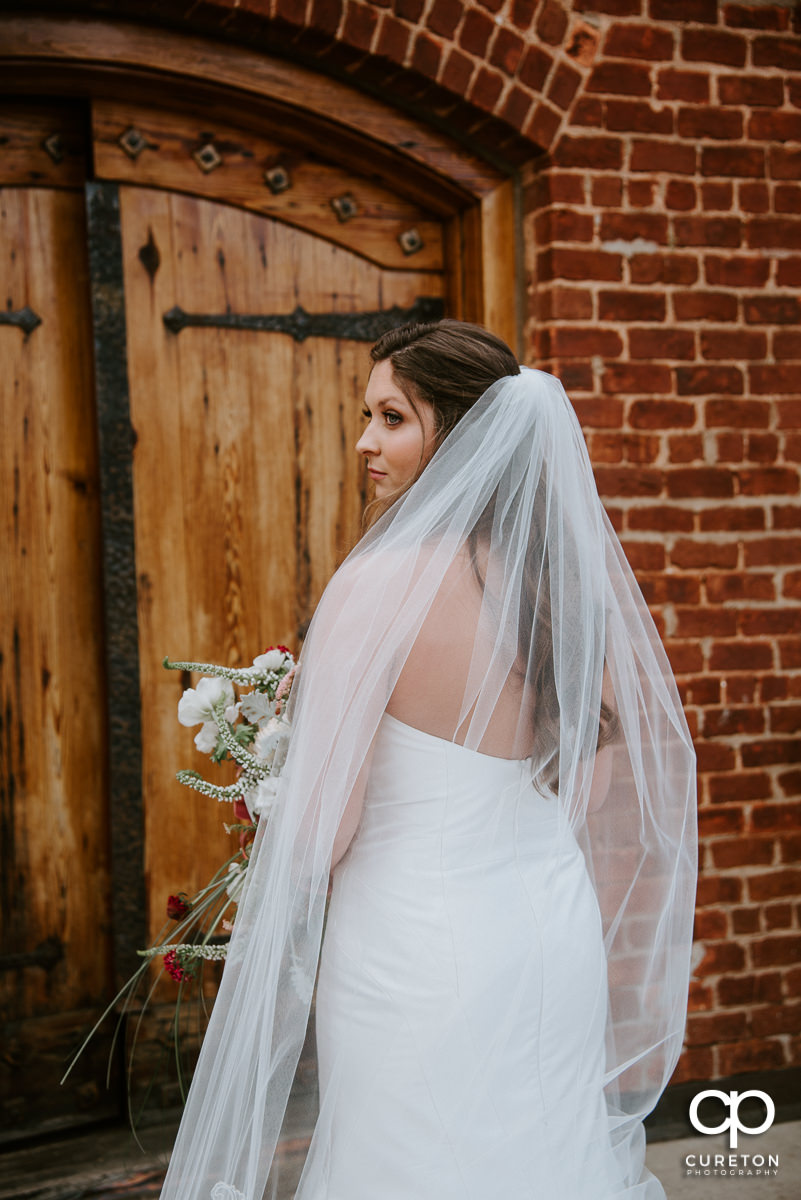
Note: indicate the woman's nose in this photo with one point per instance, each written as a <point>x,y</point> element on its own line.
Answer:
<point>365,444</point>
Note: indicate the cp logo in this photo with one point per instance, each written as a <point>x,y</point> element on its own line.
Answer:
<point>732,1101</point>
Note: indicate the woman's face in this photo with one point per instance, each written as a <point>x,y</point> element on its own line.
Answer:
<point>396,437</point>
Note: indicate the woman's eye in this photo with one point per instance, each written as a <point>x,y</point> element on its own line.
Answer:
<point>366,414</point>
<point>392,418</point>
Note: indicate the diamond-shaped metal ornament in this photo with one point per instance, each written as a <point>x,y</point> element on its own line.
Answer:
<point>345,206</point>
<point>54,145</point>
<point>132,142</point>
<point>277,179</point>
<point>410,241</point>
<point>207,158</point>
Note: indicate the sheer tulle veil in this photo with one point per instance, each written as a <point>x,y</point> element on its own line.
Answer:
<point>501,551</point>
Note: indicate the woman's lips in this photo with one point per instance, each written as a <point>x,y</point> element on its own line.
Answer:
<point>375,474</point>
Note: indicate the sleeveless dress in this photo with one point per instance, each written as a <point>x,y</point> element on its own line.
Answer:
<point>461,1003</point>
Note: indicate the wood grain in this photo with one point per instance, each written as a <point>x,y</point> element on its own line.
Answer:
<point>25,127</point>
<point>55,880</point>
<point>247,490</point>
<point>55,40</point>
<point>167,161</point>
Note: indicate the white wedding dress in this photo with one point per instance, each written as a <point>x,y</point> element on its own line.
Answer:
<point>460,1026</point>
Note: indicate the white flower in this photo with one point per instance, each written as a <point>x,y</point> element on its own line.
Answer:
<point>206,739</point>
<point>270,661</point>
<point>196,704</point>
<point>262,797</point>
<point>267,739</point>
<point>256,706</point>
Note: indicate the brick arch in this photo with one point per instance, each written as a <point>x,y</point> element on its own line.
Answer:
<point>500,75</point>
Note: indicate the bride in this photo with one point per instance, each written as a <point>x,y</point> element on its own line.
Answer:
<point>489,757</point>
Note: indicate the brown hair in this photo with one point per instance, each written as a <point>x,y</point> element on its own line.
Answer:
<point>449,365</point>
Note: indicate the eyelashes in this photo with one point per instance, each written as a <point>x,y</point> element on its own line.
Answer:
<point>391,418</point>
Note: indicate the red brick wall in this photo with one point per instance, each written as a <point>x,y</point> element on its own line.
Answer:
<point>663,258</point>
<point>664,249</point>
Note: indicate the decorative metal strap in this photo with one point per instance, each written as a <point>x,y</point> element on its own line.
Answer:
<point>355,327</point>
<point>46,954</point>
<point>24,318</point>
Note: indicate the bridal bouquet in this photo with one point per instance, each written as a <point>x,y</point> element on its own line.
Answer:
<point>253,731</point>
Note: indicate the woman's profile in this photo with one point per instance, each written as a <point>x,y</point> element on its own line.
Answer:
<point>489,759</point>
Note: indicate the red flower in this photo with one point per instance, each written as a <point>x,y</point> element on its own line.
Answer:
<point>178,906</point>
<point>283,649</point>
<point>173,967</point>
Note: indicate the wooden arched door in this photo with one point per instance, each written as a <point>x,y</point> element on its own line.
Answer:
<point>186,331</point>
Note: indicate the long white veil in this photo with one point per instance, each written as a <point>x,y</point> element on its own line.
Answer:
<point>491,605</point>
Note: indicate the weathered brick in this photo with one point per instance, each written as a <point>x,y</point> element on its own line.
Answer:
<point>751,16</point>
<point>751,90</point>
<point>787,198</point>
<point>788,272</point>
<point>772,551</point>
<point>716,196</point>
<point>571,342</point>
<point>741,656</point>
<point>639,41</point>
<point>707,46</point>
<point>721,958</point>
<point>393,40</point>
<point>768,752</point>
<point>588,111</point>
<point>787,344</point>
<point>631,306</point>
<point>564,85</point>
<point>620,79</point>
<point>776,52</point>
<point>701,380</point>
<point>776,951</point>
<point>784,162</point>
<point>661,414</point>
<point>664,268</point>
<point>607,191</point>
<point>661,343</point>
<point>700,122</point>
<point>770,379</point>
<point>633,378</point>
<point>635,116</point>
<point>564,263</point>
<point>772,310</point>
<point>629,227</point>
<point>600,153</point>
<point>683,85</point>
<point>707,231</point>
<point>700,306</point>
<point>763,447</point>
<point>552,23</point>
<point>736,271</point>
<point>660,517</point>
<point>475,33</point>
<point>704,622</point>
<point>736,414</point>
<point>754,197</point>
<point>687,482</point>
<point>733,344</point>
<point>756,1054</point>
<point>426,55</point>
<point>698,11</point>
<point>673,157</point>
<point>623,481</point>
<point>641,192</point>
<point>733,161</point>
<point>781,233</point>
<point>718,889</point>
<point>599,412</point>
<point>486,88</point>
<point>534,67</point>
<point>507,50</point>
<point>724,722</point>
<point>445,16</point>
<point>680,194</point>
<point>563,225</point>
<point>716,1028</point>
